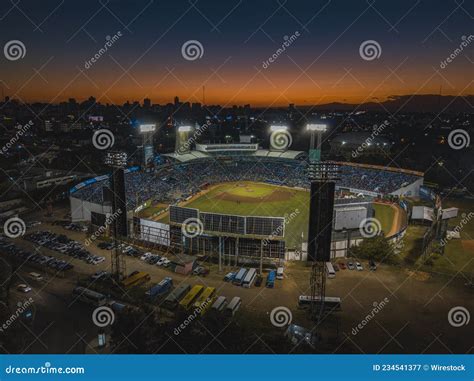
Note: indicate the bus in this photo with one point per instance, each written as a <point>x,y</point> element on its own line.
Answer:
<point>191,297</point>
<point>176,295</point>
<point>330,270</point>
<point>249,278</point>
<point>233,306</point>
<point>239,277</point>
<point>270,279</point>
<point>161,288</point>
<point>136,279</point>
<point>205,300</point>
<point>330,302</point>
<point>88,296</point>
<point>219,304</point>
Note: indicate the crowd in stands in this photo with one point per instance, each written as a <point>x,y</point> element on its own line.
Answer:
<point>173,183</point>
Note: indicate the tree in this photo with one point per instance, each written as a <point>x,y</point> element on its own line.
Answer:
<point>377,248</point>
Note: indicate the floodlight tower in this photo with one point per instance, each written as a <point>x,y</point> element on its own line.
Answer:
<point>118,161</point>
<point>147,130</point>
<point>322,176</point>
<point>183,143</point>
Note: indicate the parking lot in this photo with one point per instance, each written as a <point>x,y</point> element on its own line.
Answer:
<point>417,308</point>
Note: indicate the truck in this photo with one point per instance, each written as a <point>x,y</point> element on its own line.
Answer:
<point>270,279</point>
<point>161,288</point>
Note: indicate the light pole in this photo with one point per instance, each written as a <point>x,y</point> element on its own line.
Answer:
<point>316,130</point>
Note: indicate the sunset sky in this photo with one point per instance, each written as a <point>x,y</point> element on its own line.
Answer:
<point>322,65</point>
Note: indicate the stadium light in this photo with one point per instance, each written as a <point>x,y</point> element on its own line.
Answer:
<point>184,129</point>
<point>147,127</point>
<point>278,128</point>
<point>318,127</point>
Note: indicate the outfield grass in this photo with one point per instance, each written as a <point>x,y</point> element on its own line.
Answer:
<point>266,200</point>
<point>385,214</point>
<point>265,203</point>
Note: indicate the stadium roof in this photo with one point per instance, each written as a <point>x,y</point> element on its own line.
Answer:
<point>192,155</point>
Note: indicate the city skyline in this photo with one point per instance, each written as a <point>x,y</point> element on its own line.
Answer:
<point>323,60</point>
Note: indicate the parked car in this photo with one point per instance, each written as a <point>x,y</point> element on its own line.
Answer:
<point>342,265</point>
<point>359,266</point>
<point>36,276</point>
<point>258,281</point>
<point>350,266</point>
<point>98,275</point>
<point>23,288</point>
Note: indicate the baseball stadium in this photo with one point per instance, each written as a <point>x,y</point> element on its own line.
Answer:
<point>244,204</point>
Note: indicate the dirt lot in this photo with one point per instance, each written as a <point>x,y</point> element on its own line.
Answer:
<point>414,318</point>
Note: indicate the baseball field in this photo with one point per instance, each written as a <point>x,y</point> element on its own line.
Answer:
<point>265,200</point>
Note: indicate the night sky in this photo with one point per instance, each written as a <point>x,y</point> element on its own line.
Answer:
<point>322,65</point>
